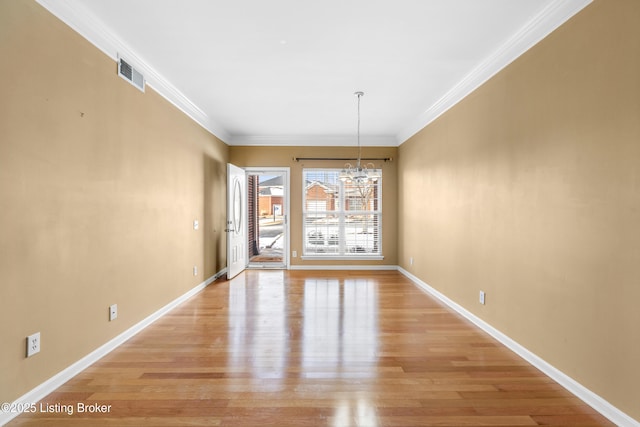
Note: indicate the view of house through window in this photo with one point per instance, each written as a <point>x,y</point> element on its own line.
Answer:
<point>339,218</point>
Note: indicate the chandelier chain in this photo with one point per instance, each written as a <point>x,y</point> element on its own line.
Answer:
<point>361,174</point>
<point>359,147</point>
<point>359,94</point>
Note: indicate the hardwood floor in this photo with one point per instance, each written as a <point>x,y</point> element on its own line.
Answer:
<point>279,348</point>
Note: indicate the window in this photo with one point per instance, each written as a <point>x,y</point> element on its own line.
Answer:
<point>341,219</point>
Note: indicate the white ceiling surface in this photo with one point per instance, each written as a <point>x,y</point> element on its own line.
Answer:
<point>283,72</point>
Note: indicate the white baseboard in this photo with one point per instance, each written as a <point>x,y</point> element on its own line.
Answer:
<point>590,398</point>
<point>344,267</point>
<point>41,391</point>
<point>598,403</point>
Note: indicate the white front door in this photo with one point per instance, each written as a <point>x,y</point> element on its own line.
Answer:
<point>236,220</point>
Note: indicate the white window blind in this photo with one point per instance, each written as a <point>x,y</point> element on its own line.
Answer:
<point>340,219</point>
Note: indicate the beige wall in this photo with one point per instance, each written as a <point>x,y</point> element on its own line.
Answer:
<point>529,189</point>
<point>99,185</point>
<point>283,157</point>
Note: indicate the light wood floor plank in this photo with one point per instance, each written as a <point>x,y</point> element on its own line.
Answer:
<point>278,348</point>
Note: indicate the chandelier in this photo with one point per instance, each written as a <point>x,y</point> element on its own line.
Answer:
<point>361,173</point>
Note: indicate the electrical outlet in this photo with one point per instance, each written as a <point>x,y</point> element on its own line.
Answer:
<point>411,261</point>
<point>33,344</point>
<point>195,270</point>
<point>482,295</point>
<point>113,312</point>
<point>196,224</point>
<point>294,254</point>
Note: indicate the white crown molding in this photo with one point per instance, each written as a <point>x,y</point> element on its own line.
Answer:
<point>49,386</point>
<point>590,398</point>
<point>312,141</point>
<point>85,24</point>
<point>550,18</point>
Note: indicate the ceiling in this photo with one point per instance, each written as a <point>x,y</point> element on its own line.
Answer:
<point>283,72</point>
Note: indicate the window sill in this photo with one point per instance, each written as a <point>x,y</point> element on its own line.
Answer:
<point>342,258</point>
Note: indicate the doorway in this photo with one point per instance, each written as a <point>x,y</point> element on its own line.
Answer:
<point>267,211</point>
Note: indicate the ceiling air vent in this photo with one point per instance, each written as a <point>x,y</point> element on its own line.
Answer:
<point>130,74</point>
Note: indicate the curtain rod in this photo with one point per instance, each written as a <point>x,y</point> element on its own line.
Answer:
<point>386,159</point>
